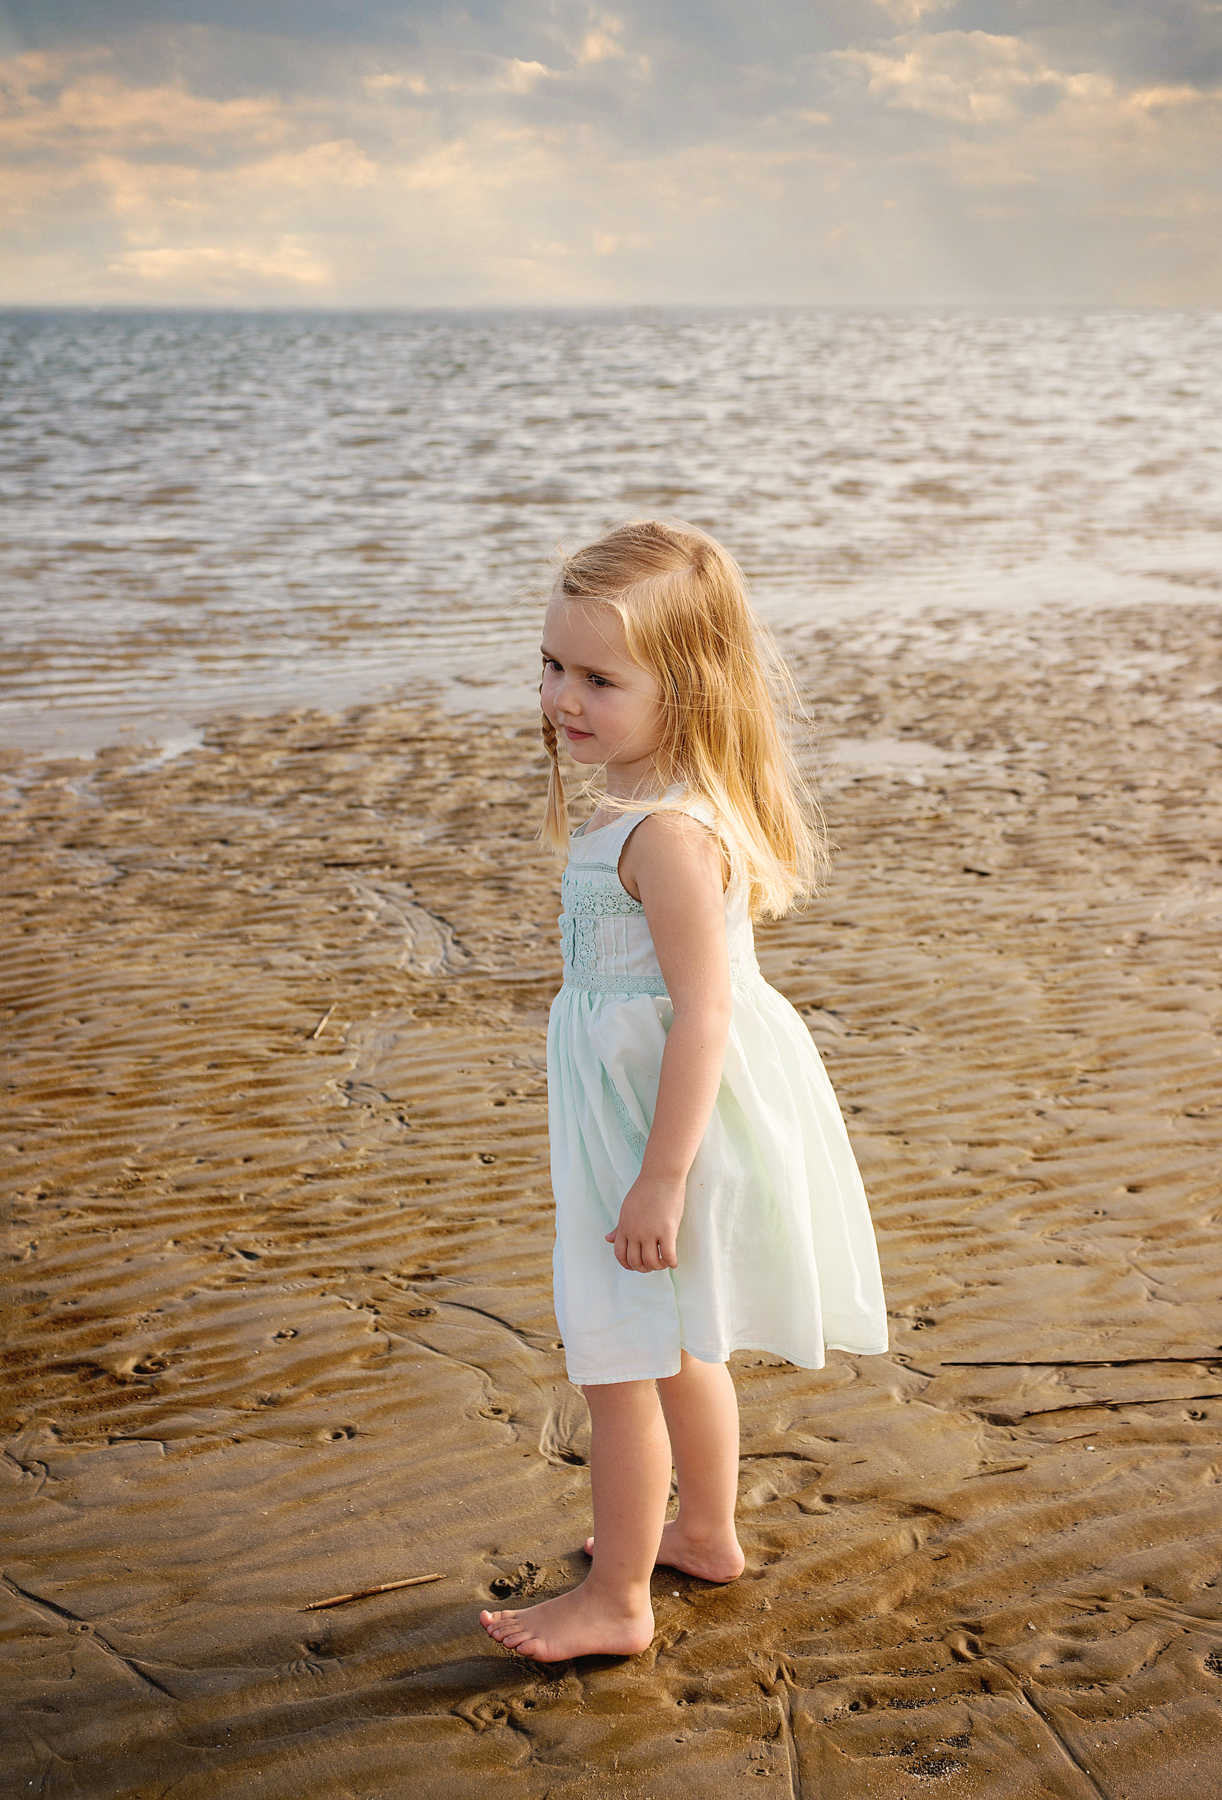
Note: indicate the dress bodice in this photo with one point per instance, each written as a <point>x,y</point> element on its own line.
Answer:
<point>603,931</point>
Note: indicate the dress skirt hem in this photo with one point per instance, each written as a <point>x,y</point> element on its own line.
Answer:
<point>713,1357</point>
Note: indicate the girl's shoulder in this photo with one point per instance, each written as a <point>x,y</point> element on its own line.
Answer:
<point>682,838</point>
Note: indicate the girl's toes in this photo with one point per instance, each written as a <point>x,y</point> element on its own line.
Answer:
<point>589,1546</point>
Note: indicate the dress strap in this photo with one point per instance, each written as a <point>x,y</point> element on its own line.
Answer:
<point>604,846</point>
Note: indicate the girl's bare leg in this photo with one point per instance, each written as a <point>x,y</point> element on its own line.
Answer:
<point>701,1411</point>
<point>630,1481</point>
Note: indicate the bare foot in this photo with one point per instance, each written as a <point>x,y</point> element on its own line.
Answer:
<point>712,1559</point>
<point>580,1623</point>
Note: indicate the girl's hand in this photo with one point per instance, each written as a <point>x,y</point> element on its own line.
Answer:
<point>648,1226</point>
<point>674,866</point>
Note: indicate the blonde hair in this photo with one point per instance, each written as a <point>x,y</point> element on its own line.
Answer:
<point>686,618</point>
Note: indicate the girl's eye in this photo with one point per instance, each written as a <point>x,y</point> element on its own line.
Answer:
<point>599,681</point>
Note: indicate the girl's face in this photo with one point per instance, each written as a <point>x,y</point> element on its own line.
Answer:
<point>606,708</point>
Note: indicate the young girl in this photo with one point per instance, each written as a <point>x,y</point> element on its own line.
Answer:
<point>707,1199</point>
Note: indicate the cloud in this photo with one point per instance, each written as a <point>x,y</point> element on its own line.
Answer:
<point>521,77</point>
<point>911,12</point>
<point>980,88</point>
<point>600,42</point>
<point>223,273</point>
<point>1139,43</point>
<point>964,77</point>
<point>563,150</point>
<point>52,108</point>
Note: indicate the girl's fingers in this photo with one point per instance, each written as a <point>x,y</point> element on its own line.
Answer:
<point>640,1257</point>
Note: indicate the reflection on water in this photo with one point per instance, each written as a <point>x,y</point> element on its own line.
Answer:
<point>214,510</point>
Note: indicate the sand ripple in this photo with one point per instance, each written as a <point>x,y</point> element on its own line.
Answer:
<point>279,1318</point>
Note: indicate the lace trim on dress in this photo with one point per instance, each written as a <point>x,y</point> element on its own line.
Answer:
<point>635,1139</point>
<point>617,984</point>
<point>584,903</point>
<point>592,891</point>
<point>742,977</point>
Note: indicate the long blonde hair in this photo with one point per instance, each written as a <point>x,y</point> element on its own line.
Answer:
<point>686,618</point>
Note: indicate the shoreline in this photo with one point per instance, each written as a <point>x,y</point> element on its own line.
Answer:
<point>917,619</point>
<point>279,1306</point>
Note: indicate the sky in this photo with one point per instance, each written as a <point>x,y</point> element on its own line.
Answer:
<point>415,153</point>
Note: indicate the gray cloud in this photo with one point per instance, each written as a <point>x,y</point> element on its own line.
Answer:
<point>1138,41</point>
<point>43,22</point>
<point>1141,40</point>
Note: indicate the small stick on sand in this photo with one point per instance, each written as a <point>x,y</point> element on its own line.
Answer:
<point>384,1587</point>
<point>322,1023</point>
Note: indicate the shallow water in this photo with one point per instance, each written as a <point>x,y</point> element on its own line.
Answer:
<point>207,512</point>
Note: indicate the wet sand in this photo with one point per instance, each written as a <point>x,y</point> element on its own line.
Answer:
<point>278,1318</point>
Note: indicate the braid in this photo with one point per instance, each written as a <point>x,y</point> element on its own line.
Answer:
<point>556,825</point>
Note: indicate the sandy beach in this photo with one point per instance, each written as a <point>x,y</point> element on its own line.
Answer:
<point>278,1315</point>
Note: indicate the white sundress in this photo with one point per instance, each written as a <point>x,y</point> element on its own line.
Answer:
<point>776,1250</point>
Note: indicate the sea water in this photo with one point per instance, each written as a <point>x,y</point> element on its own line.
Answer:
<point>205,512</point>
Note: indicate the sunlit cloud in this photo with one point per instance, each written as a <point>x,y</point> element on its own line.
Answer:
<point>50,108</point>
<point>223,272</point>
<point>964,77</point>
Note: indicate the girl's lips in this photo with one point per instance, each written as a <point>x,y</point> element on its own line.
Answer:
<point>571,732</point>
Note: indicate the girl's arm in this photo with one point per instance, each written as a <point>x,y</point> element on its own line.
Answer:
<point>674,867</point>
